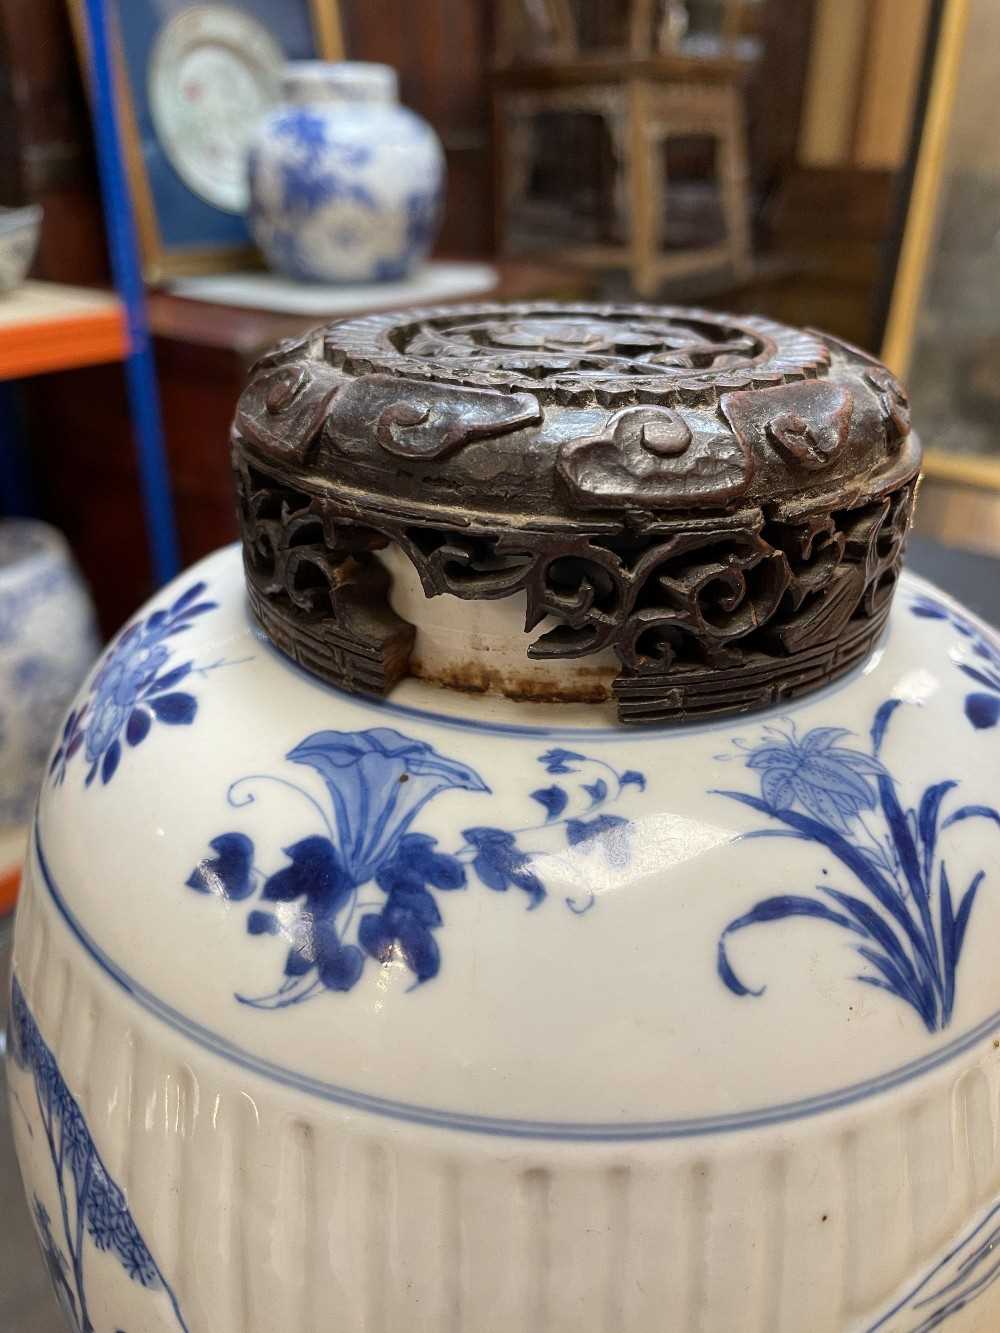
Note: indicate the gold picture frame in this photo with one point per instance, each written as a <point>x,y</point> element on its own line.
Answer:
<point>920,235</point>
<point>160,261</point>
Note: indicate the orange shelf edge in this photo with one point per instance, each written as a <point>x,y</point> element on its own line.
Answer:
<point>36,347</point>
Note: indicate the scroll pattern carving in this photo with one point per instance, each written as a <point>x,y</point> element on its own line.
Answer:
<point>701,622</point>
<point>720,500</point>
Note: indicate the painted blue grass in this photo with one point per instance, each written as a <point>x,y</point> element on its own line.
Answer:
<point>907,925</point>
<point>94,1211</point>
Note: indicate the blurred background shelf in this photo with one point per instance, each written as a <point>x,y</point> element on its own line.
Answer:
<point>48,326</point>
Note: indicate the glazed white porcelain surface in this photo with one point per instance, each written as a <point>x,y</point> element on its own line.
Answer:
<point>346,185</point>
<point>48,640</point>
<point>457,1013</point>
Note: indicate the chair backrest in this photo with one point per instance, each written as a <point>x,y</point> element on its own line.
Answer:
<point>555,32</point>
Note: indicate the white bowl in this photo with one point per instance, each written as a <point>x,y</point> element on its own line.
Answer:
<point>19,232</point>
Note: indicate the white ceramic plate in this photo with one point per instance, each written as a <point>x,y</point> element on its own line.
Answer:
<point>213,73</point>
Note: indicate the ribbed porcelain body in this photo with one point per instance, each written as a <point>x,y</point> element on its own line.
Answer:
<point>453,1013</point>
<point>345,184</point>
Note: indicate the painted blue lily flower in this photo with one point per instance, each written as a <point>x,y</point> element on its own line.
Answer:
<point>378,781</point>
<point>829,781</point>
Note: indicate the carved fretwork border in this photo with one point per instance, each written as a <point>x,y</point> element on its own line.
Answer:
<point>711,619</point>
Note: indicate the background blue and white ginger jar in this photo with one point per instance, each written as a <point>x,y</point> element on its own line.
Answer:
<point>48,639</point>
<point>346,185</point>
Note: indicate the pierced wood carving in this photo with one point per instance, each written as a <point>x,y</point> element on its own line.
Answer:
<point>721,501</point>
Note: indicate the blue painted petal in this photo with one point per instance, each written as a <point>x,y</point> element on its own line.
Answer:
<point>110,762</point>
<point>262,923</point>
<point>632,777</point>
<point>342,968</point>
<point>229,873</point>
<point>553,798</point>
<point>597,791</point>
<point>882,718</point>
<point>982,710</point>
<point>176,709</point>
<point>316,874</point>
<point>139,723</point>
<point>821,738</point>
<point>169,679</point>
<point>375,937</point>
<point>187,597</point>
<point>420,950</point>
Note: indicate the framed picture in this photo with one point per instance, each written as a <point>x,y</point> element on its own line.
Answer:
<point>943,330</point>
<point>193,76</point>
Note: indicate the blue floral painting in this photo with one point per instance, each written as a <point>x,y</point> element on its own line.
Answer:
<point>94,1212</point>
<point>367,886</point>
<point>136,686</point>
<point>907,921</point>
<point>982,706</point>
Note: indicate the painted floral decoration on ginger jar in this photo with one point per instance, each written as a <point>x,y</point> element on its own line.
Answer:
<point>547,879</point>
<point>346,185</point>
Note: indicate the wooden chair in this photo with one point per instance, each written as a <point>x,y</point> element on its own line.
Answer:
<point>648,91</point>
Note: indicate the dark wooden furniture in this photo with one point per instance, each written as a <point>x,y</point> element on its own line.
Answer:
<point>647,93</point>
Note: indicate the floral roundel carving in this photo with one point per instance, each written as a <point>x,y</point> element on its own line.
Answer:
<point>579,352</point>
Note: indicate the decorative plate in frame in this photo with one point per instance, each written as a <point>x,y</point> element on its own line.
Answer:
<point>181,151</point>
<point>213,73</point>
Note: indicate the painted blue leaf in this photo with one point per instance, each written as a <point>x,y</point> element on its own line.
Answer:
<point>156,620</point>
<point>316,874</point>
<point>927,821</point>
<point>262,923</point>
<point>415,863</point>
<point>110,761</point>
<point>929,611</point>
<point>821,738</point>
<point>972,812</point>
<point>176,709</point>
<point>138,726</point>
<point>965,911</point>
<point>229,873</point>
<point>610,833</point>
<point>949,956</point>
<point>92,773</point>
<point>597,791</point>
<point>375,937</point>
<point>420,950</point>
<point>500,863</point>
<point>558,760</point>
<point>298,963</point>
<point>882,718</point>
<point>187,597</point>
<point>405,904</point>
<point>199,610</point>
<point>982,710</point>
<point>380,938</point>
<point>169,679</point>
<point>980,677</point>
<point>769,910</point>
<point>553,798</point>
<point>340,970</point>
<point>633,778</point>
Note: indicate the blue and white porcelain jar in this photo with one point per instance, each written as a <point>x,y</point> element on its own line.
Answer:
<point>48,639</point>
<point>345,184</point>
<point>375,970</point>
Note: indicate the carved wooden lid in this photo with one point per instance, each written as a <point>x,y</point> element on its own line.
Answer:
<point>719,498</point>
